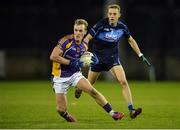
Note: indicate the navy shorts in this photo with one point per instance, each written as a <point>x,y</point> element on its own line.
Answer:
<point>106,63</point>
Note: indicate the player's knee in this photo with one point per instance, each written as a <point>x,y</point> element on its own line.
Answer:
<point>123,83</point>
<point>91,81</point>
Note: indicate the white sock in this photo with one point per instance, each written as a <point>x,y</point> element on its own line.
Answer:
<point>111,112</point>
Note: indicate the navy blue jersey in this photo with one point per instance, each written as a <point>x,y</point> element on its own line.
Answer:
<point>107,37</point>
<point>105,44</point>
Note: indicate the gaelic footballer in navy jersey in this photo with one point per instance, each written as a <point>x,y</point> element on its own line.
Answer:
<point>106,35</point>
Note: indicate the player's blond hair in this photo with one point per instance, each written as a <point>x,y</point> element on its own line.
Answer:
<point>81,21</point>
<point>114,6</point>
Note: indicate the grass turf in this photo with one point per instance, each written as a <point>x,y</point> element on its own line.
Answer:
<point>31,104</point>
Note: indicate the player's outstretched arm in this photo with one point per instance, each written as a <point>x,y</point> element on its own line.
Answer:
<point>135,47</point>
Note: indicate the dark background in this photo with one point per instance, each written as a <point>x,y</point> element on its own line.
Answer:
<point>31,28</point>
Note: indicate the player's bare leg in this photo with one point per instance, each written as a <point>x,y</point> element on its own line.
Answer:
<point>119,74</point>
<point>61,102</point>
<point>78,93</point>
<point>85,85</point>
<point>92,77</point>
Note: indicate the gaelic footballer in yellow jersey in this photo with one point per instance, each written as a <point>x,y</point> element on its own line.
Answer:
<point>66,72</point>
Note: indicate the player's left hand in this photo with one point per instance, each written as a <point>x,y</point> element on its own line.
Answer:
<point>145,60</point>
<point>76,63</point>
<point>94,60</point>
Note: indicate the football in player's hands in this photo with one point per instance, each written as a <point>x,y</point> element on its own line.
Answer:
<point>86,58</point>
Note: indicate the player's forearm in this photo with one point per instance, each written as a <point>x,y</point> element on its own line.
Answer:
<point>87,38</point>
<point>136,49</point>
<point>134,46</point>
<point>56,55</point>
<point>60,60</point>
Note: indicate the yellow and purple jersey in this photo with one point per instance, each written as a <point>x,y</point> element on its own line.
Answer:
<point>71,50</point>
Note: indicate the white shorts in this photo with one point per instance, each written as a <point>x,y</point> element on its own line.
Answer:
<point>61,85</point>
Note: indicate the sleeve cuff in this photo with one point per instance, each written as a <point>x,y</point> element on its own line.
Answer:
<point>140,54</point>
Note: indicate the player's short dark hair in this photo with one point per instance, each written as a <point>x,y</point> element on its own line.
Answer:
<point>81,21</point>
<point>114,6</point>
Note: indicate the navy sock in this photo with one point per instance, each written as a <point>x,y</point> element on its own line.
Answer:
<point>63,114</point>
<point>130,106</point>
<point>107,107</point>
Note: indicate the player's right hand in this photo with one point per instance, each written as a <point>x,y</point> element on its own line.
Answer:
<point>145,60</point>
<point>94,60</point>
<point>76,63</point>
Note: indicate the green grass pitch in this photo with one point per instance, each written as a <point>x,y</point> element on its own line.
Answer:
<point>31,104</point>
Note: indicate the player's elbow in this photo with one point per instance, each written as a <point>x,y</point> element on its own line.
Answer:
<point>52,57</point>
